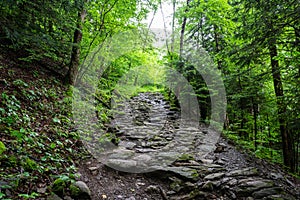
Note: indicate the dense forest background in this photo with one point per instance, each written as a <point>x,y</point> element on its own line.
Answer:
<point>255,45</point>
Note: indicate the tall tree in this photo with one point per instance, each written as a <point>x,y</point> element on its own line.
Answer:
<point>75,54</point>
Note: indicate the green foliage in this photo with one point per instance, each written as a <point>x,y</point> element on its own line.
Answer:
<point>33,195</point>
<point>37,137</point>
<point>59,186</point>
<point>2,148</point>
<point>44,31</point>
<point>29,164</point>
<point>9,108</point>
<point>107,138</point>
<point>239,35</point>
<point>74,190</point>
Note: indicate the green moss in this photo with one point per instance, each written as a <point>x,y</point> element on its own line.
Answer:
<point>196,193</point>
<point>176,186</point>
<point>195,174</point>
<point>186,157</point>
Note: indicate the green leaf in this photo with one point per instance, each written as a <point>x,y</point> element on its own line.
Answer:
<point>56,120</point>
<point>2,147</point>
<point>52,145</point>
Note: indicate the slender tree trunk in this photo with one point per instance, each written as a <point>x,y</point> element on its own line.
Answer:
<point>173,26</point>
<point>242,132</point>
<point>254,107</point>
<point>183,25</point>
<point>217,43</point>
<point>297,43</point>
<point>202,31</point>
<point>75,55</point>
<point>269,135</point>
<point>287,143</point>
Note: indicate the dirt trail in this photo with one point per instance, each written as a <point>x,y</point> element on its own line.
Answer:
<point>176,162</point>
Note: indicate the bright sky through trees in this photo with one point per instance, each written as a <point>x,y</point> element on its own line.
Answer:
<point>158,20</point>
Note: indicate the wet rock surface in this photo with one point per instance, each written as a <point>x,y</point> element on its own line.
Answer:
<point>177,160</point>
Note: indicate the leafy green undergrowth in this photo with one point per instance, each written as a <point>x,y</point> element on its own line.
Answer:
<point>38,143</point>
<point>261,151</point>
<point>127,91</point>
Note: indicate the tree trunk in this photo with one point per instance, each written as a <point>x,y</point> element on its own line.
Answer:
<point>217,43</point>
<point>287,143</point>
<point>297,43</point>
<point>173,26</point>
<point>255,109</point>
<point>75,55</point>
<point>183,25</point>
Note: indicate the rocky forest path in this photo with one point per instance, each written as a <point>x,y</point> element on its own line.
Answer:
<point>160,157</point>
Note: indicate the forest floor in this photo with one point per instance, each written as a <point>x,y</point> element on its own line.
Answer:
<point>41,145</point>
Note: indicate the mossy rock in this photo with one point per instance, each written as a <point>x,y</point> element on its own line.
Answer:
<point>186,157</point>
<point>80,191</point>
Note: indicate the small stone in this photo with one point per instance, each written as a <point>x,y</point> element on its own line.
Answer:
<point>221,162</point>
<point>222,144</point>
<point>280,197</point>
<point>138,184</point>
<point>94,168</point>
<point>42,190</point>
<point>209,186</point>
<point>243,172</point>
<point>152,189</point>
<point>214,176</point>
<point>130,198</point>
<point>247,187</point>
<point>127,145</point>
<point>206,161</point>
<point>266,192</point>
<point>54,197</point>
<point>231,194</point>
<point>189,185</point>
<point>171,192</point>
<point>184,172</point>
<point>276,176</point>
<point>80,191</point>
<point>232,182</point>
